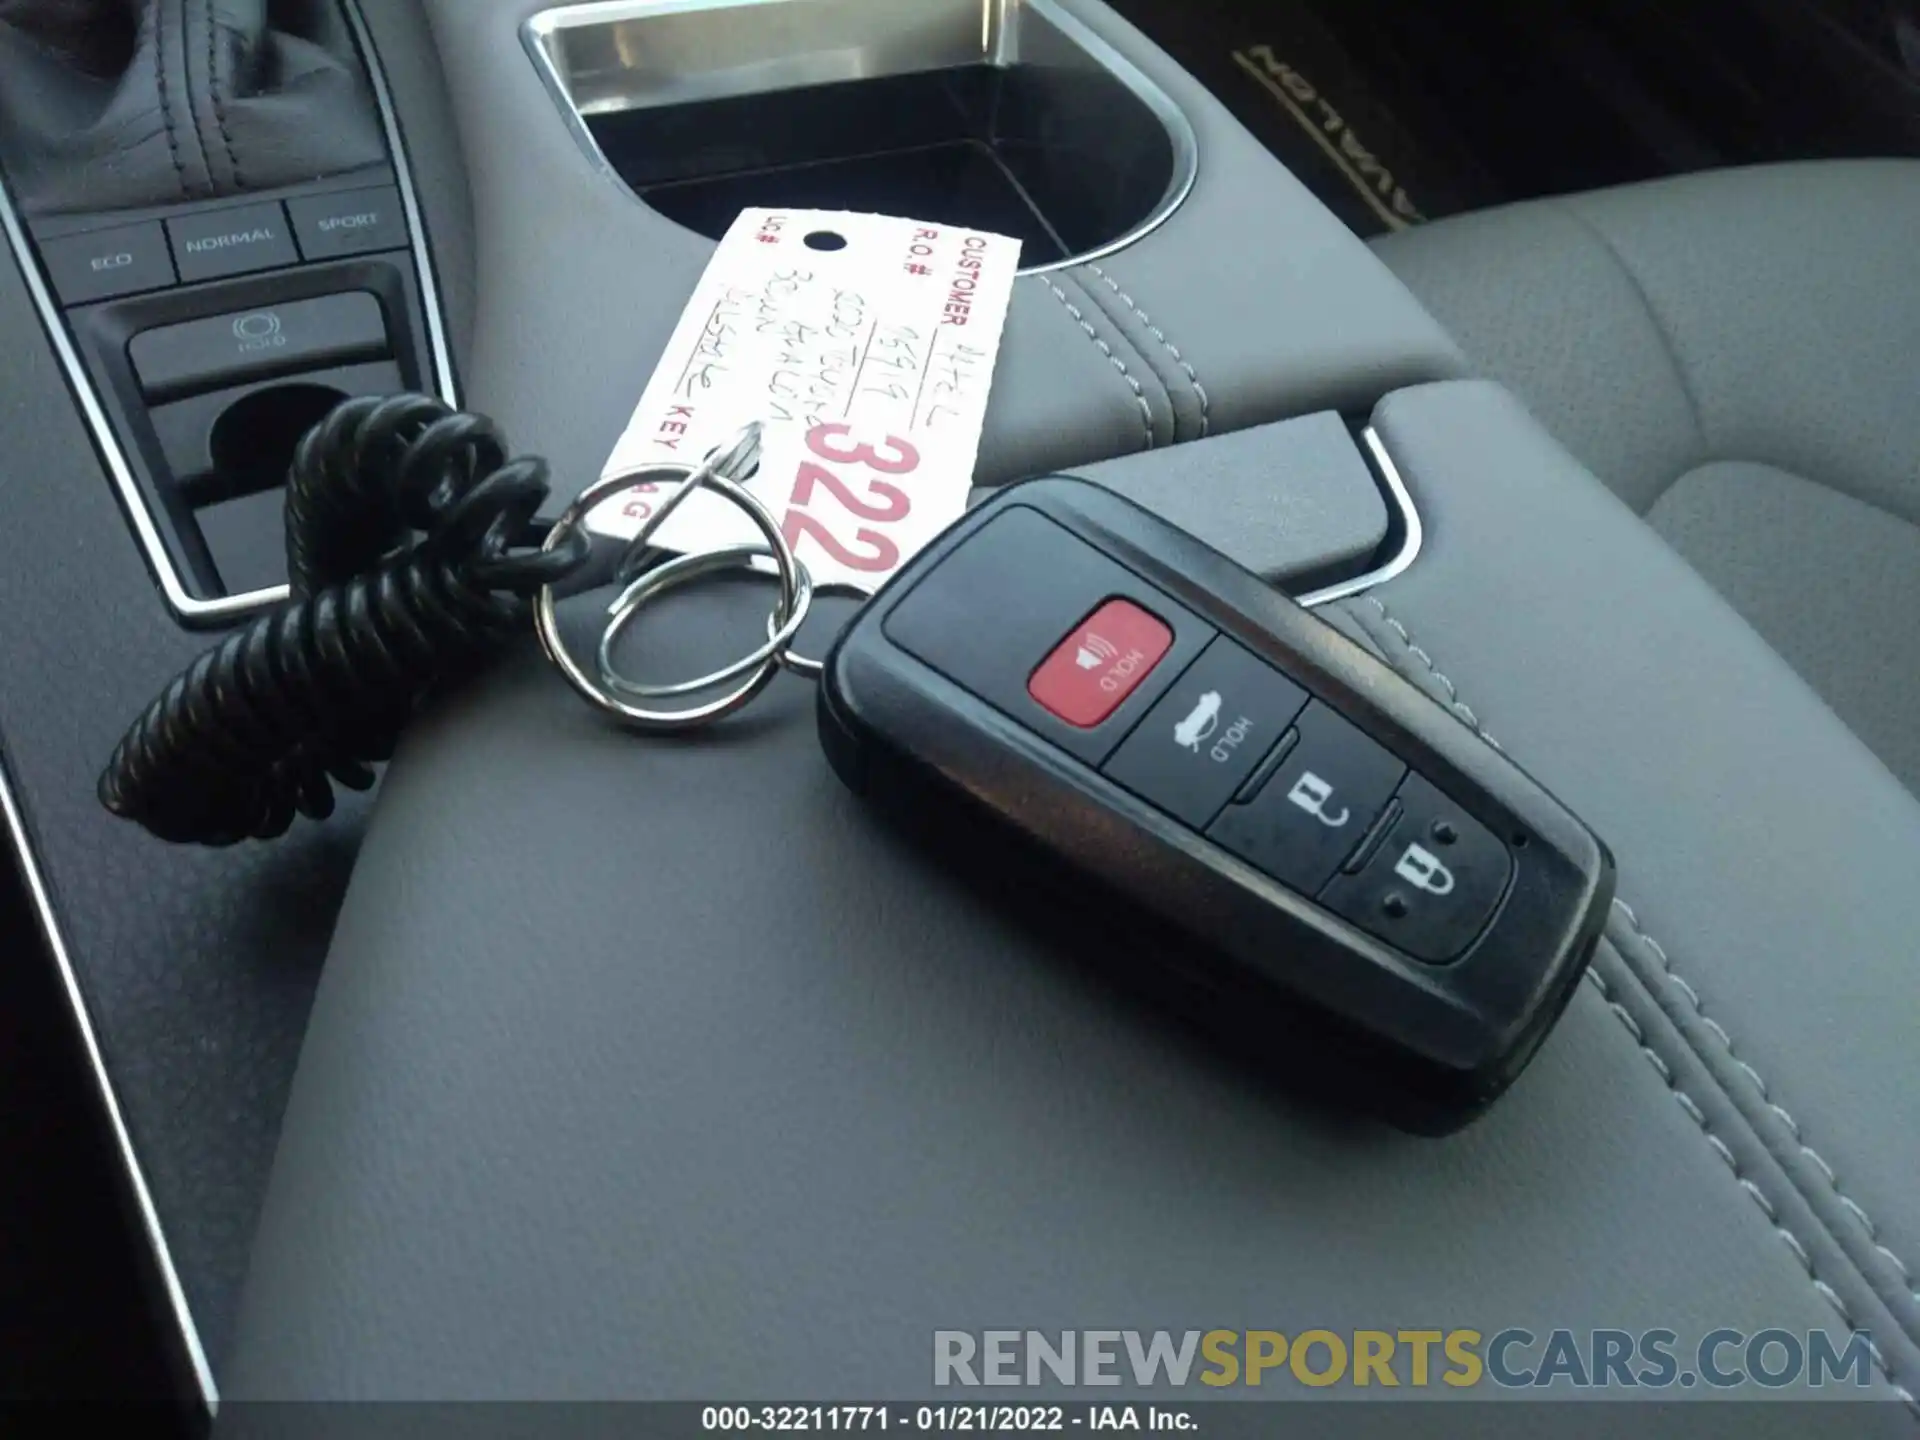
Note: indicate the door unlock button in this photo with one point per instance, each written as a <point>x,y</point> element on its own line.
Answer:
<point>1315,795</point>
<point>1318,806</point>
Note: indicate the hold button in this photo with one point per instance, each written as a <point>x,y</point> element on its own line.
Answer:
<point>252,344</point>
<point>1208,733</point>
<point>1091,673</point>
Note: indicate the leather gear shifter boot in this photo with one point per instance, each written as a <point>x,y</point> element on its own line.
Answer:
<point>116,104</point>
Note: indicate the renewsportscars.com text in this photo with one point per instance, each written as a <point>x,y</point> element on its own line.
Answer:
<point>1513,1358</point>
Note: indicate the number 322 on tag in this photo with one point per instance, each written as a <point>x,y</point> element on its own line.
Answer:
<point>850,512</point>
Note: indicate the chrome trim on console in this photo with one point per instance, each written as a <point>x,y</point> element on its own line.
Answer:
<point>176,1296</point>
<point>442,353</point>
<point>193,611</point>
<point>1412,533</point>
<point>994,39</point>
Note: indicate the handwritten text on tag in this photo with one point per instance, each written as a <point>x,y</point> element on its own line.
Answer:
<point>869,361</point>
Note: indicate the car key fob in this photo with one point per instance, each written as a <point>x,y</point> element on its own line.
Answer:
<point>1204,781</point>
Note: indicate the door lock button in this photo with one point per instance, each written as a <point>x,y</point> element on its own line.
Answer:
<point>1208,733</point>
<point>1318,806</point>
<point>1435,883</point>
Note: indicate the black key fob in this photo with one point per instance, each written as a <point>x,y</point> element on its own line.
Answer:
<point>1209,791</point>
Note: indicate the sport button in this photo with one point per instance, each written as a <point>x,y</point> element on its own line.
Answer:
<point>1208,733</point>
<point>1092,672</point>
<point>1317,807</point>
<point>329,226</point>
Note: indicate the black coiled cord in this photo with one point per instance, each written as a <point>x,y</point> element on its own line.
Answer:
<point>411,557</point>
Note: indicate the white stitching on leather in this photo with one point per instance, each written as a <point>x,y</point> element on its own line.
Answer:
<point>1793,1126</point>
<point>1753,1191</point>
<point>1139,395</point>
<point>1685,1100</point>
<point>1719,1031</point>
<point>1206,405</point>
<point>1457,705</point>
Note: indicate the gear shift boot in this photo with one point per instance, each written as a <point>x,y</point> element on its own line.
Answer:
<point>112,105</point>
<point>211,208</point>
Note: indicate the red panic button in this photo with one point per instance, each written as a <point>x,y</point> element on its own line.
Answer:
<point>1101,663</point>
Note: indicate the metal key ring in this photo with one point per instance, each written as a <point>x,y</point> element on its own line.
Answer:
<point>736,460</point>
<point>545,609</point>
<point>799,664</point>
<point>683,570</point>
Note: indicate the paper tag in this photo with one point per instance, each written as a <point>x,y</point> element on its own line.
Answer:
<point>869,364</point>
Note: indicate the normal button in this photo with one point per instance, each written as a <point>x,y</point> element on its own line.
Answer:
<point>217,243</point>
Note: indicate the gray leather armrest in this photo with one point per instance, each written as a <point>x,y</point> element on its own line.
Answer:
<point>1196,330</point>
<point>1766,855</point>
<point>1294,502</point>
<point>658,1069</point>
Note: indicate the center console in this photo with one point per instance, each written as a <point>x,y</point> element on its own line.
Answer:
<point>1193,328</point>
<point>566,951</point>
<point>1247,303</point>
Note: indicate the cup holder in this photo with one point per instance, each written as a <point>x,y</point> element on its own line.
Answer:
<point>238,506</point>
<point>253,440</point>
<point>1003,115</point>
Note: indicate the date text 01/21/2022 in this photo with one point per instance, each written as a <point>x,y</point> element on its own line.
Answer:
<point>953,1419</point>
